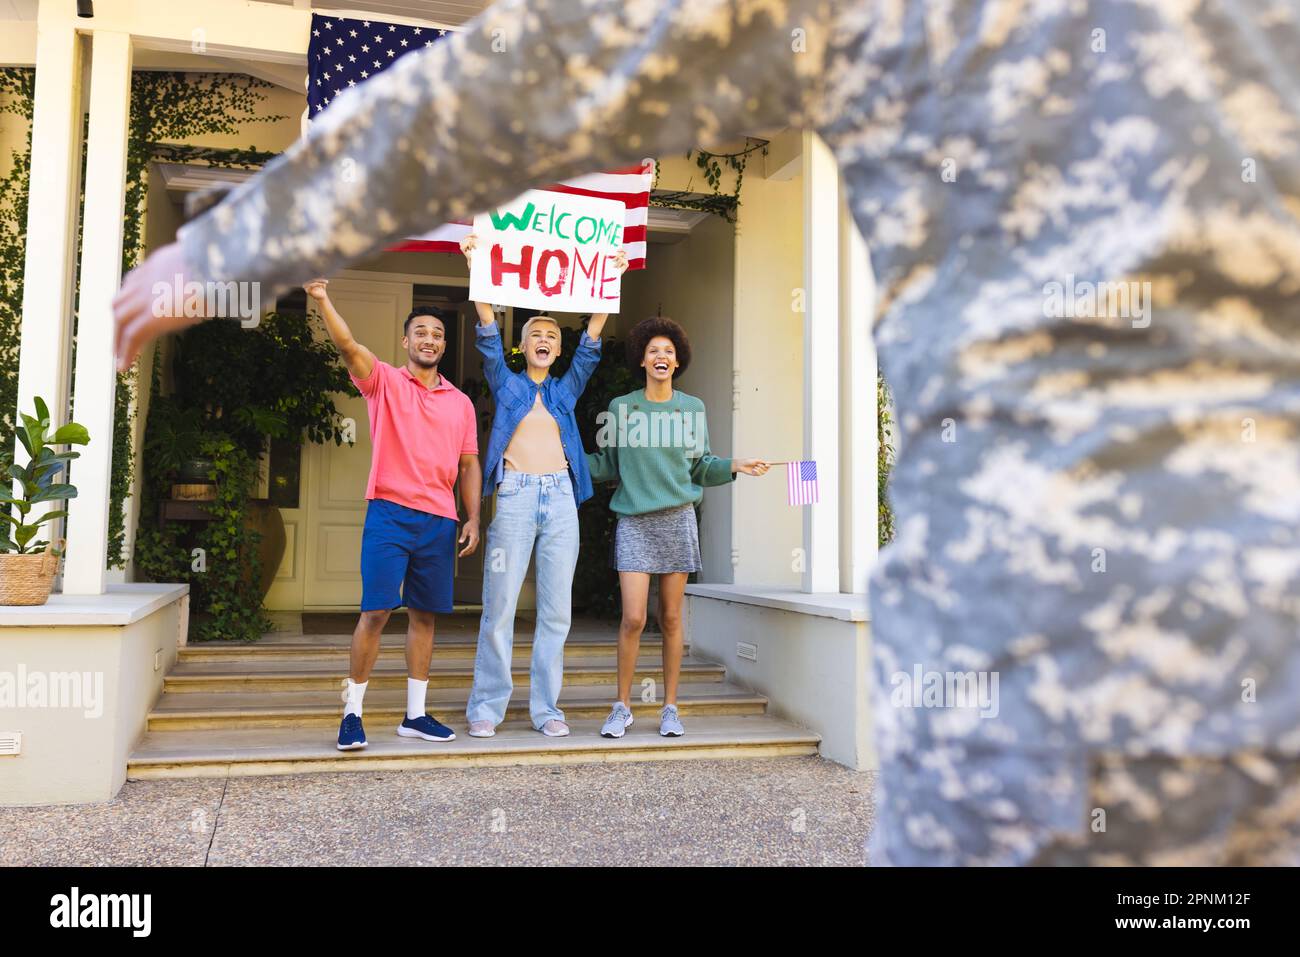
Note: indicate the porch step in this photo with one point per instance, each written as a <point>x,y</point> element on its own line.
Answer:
<point>248,752</point>
<point>322,709</point>
<point>338,648</point>
<point>273,707</point>
<point>294,674</point>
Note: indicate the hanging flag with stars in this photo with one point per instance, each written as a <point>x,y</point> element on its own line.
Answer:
<point>344,52</point>
<point>801,483</point>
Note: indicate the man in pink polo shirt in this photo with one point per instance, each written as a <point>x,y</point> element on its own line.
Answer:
<point>423,437</point>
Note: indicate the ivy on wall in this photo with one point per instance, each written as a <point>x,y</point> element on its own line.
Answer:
<point>218,558</point>
<point>164,106</point>
<point>712,166</point>
<point>884,460</point>
<point>223,409</point>
<point>17,87</point>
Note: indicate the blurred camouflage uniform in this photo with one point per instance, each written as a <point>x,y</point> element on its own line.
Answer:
<point>1098,504</point>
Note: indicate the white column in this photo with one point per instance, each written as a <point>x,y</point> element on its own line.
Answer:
<point>821,410</point>
<point>858,423</point>
<point>51,229</point>
<point>101,272</point>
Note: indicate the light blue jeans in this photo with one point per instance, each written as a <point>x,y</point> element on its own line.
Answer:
<point>534,514</point>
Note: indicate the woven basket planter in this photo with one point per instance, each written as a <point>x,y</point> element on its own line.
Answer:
<point>27,579</point>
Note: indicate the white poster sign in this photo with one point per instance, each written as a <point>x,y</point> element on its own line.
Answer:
<point>551,251</point>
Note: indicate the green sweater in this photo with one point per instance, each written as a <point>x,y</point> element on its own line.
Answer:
<point>658,452</point>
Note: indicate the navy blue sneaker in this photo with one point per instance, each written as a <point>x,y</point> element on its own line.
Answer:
<point>351,735</point>
<point>425,727</point>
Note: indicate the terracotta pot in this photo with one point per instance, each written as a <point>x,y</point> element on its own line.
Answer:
<point>265,518</point>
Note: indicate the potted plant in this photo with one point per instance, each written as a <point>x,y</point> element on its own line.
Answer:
<point>27,566</point>
<point>172,444</point>
<point>275,380</point>
<point>232,390</point>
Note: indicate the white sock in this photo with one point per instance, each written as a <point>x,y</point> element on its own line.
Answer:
<point>352,697</point>
<point>415,692</point>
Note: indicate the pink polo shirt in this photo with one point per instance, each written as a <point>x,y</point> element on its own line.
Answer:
<point>417,437</point>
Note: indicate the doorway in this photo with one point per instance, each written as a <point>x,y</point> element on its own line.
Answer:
<point>321,565</point>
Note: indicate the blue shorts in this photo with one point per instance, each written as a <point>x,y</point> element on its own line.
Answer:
<point>407,558</point>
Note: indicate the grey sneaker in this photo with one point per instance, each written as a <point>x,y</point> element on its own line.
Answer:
<point>619,720</point>
<point>669,725</point>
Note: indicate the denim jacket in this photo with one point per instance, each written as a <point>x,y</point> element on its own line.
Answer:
<point>515,394</point>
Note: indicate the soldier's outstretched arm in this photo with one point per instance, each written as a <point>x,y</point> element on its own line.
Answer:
<point>530,92</point>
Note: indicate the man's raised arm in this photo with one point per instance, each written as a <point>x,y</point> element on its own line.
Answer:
<point>359,360</point>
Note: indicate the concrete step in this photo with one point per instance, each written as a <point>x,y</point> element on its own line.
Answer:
<point>248,752</point>
<point>292,674</point>
<point>338,648</point>
<point>323,709</point>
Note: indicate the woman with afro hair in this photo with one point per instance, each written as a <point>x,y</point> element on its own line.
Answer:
<point>654,443</point>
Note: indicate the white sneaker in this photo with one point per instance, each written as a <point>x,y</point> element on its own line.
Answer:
<point>481,729</point>
<point>555,728</point>
<point>619,720</point>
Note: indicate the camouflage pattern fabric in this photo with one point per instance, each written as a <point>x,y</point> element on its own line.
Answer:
<point>1084,219</point>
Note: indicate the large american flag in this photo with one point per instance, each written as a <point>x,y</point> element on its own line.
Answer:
<point>344,52</point>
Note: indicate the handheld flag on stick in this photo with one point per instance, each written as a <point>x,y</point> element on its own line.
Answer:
<point>801,483</point>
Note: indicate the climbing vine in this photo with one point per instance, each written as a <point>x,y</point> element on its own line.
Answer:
<point>884,460</point>
<point>219,557</point>
<point>17,86</point>
<point>713,166</point>
<point>164,106</point>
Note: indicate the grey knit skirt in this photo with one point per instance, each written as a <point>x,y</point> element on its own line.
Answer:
<point>658,542</point>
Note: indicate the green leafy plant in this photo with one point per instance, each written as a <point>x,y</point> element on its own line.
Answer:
<point>164,107</point>
<point>16,91</point>
<point>173,436</point>
<point>712,166</point>
<point>37,477</point>
<point>218,558</point>
<point>229,605</point>
<point>274,380</point>
<point>234,389</point>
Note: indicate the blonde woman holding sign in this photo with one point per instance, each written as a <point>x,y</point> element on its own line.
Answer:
<point>655,443</point>
<point>536,466</point>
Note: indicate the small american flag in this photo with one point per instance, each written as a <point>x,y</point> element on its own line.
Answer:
<point>801,482</point>
<point>344,52</point>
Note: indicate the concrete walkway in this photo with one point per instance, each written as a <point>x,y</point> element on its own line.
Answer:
<point>780,811</point>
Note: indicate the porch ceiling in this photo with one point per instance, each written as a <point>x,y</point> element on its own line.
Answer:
<point>447,12</point>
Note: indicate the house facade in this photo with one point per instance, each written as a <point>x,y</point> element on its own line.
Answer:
<point>777,305</point>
